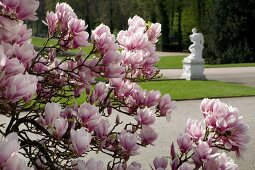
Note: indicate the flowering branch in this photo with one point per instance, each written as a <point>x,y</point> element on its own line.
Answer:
<point>39,91</point>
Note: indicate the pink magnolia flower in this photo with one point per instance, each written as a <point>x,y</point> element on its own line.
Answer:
<point>76,25</point>
<point>133,59</point>
<point>202,153</point>
<point>52,21</point>
<point>19,87</point>
<point>112,57</point>
<point>15,162</point>
<point>99,93</point>
<point>27,9</point>
<point>102,128</point>
<point>133,41</point>
<point>23,34</point>
<point>235,136</point>
<point>81,39</point>
<point>63,10</point>
<point>99,31</point>
<point>221,162</point>
<point>10,4</point>
<point>136,23</point>
<point>13,67</point>
<point>207,105</point>
<point>128,142</point>
<point>25,53</point>
<point>103,39</point>
<point>145,116</point>
<point>160,163</point>
<point>60,127</point>
<point>184,142</point>
<point>147,135</point>
<point>152,98</point>
<point>114,71</point>
<point>9,147</point>
<point>15,33</point>
<point>51,113</point>
<point>232,132</point>
<point>89,116</point>
<point>154,32</point>
<point>91,164</point>
<point>175,163</point>
<point>194,129</point>
<point>166,106</point>
<point>80,139</point>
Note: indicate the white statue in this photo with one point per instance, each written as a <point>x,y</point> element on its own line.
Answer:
<point>193,65</point>
<point>198,45</point>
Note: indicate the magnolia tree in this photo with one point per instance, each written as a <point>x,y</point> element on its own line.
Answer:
<point>39,93</point>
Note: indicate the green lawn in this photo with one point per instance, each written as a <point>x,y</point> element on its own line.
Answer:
<point>38,41</point>
<point>182,89</point>
<point>175,62</point>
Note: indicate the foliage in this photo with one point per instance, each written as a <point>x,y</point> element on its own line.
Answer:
<point>52,132</point>
<point>231,35</point>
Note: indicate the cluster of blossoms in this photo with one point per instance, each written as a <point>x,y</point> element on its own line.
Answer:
<point>16,51</point>
<point>40,92</point>
<point>138,44</point>
<point>224,130</point>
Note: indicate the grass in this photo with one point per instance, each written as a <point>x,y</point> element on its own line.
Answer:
<point>182,89</point>
<point>175,62</point>
<point>39,42</point>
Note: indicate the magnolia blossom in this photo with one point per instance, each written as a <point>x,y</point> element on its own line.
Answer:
<point>91,164</point>
<point>60,127</point>
<point>160,162</point>
<point>221,162</point>
<point>128,142</point>
<point>89,115</point>
<point>103,38</point>
<point>52,20</point>
<point>99,93</point>
<point>145,116</point>
<point>102,128</point>
<point>225,120</point>
<point>20,86</point>
<point>147,135</point>
<point>9,148</point>
<point>184,142</point>
<point>194,129</point>
<point>202,153</point>
<point>13,67</point>
<point>14,163</point>
<point>80,139</point>
<point>166,106</point>
<point>136,23</point>
<point>154,32</point>
<point>51,113</point>
<point>25,53</point>
<point>152,98</point>
<point>22,9</point>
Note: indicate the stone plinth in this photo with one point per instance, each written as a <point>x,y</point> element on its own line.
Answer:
<point>193,68</point>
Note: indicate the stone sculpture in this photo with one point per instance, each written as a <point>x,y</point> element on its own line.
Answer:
<point>193,65</point>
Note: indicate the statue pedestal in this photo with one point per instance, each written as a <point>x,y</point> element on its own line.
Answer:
<point>193,68</point>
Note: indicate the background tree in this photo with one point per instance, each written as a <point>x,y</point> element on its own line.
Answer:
<point>230,36</point>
